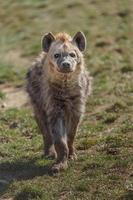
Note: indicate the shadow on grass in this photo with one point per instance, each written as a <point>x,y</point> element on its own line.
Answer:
<point>21,170</point>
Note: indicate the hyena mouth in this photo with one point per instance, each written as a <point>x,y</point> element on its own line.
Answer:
<point>65,71</point>
<point>65,67</point>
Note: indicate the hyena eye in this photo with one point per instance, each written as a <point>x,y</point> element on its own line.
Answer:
<point>57,55</point>
<point>73,55</point>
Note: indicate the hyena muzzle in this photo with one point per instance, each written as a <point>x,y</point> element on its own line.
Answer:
<point>58,85</point>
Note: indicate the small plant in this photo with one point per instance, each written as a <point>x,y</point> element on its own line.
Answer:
<point>2,95</point>
<point>29,193</point>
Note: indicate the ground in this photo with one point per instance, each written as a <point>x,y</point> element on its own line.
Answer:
<point>104,168</point>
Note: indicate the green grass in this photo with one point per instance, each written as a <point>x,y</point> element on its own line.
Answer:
<point>104,142</point>
<point>2,95</point>
<point>8,74</point>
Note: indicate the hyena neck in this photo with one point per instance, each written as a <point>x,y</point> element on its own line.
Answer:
<point>69,80</point>
<point>65,80</point>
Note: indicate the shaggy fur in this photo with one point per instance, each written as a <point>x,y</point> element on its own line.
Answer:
<point>59,98</point>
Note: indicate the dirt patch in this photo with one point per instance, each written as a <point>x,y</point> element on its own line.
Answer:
<point>14,97</point>
<point>15,55</point>
<point>7,199</point>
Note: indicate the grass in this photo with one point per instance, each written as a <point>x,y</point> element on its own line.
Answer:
<point>104,142</point>
<point>2,95</point>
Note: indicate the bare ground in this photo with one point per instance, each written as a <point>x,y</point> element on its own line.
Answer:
<point>14,97</point>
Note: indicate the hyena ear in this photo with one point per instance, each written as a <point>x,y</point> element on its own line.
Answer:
<point>47,41</point>
<point>80,41</point>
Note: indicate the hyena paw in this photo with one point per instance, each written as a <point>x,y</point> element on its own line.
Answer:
<point>72,156</point>
<point>51,155</point>
<point>57,167</point>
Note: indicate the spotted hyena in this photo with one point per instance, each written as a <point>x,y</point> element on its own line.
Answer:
<point>58,85</point>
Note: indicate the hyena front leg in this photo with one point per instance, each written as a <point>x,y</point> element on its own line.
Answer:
<point>71,136</point>
<point>49,149</point>
<point>60,140</point>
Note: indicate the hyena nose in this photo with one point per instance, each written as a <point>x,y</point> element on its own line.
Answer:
<point>66,65</point>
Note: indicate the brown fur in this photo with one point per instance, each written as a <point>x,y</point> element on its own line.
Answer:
<point>64,37</point>
<point>58,100</point>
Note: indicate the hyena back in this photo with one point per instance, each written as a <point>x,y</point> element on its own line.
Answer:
<point>58,85</point>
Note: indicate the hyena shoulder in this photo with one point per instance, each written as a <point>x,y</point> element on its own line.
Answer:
<point>86,82</point>
<point>36,68</point>
<point>34,78</point>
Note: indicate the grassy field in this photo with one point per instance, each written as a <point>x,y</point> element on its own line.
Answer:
<point>104,169</point>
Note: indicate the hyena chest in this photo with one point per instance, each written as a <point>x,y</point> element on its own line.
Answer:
<point>68,103</point>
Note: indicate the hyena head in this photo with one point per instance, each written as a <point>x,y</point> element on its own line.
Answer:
<point>64,54</point>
